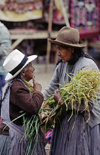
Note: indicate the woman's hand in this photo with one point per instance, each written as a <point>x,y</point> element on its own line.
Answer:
<point>57,97</point>
<point>37,86</point>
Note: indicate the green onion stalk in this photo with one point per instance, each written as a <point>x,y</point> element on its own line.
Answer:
<point>31,135</point>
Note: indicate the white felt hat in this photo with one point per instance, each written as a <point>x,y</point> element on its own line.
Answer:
<point>15,62</point>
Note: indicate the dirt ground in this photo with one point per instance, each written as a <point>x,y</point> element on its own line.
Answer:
<point>41,76</point>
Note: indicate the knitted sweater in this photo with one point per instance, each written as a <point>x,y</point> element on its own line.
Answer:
<point>61,76</point>
<point>21,100</point>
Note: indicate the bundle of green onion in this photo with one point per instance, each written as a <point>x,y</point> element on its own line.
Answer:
<point>82,89</point>
<point>31,127</point>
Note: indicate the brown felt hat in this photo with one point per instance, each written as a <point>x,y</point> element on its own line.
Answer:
<point>68,36</point>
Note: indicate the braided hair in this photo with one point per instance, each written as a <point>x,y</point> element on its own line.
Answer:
<point>4,95</point>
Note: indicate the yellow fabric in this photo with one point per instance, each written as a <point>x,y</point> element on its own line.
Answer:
<point>15,17</point>
<point>29,86</point>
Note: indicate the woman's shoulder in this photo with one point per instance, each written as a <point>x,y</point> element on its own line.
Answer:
<point>84,62</point>
<point>17,84</point>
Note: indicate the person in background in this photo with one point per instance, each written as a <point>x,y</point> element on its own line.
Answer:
<point>95,54</point>
<point>83,138</point>
<point>5,47</point>
<point>19,95</point>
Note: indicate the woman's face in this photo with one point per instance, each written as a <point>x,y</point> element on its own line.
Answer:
<point>28,72</point>
<point>66,54</point>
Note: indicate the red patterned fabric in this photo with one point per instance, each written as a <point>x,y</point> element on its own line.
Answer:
<point>21,8</point>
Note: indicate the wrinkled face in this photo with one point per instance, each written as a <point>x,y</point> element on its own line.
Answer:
<point>28,72</point>
<point>65,53</point>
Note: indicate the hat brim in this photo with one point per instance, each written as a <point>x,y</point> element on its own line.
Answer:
<point>67,44</point>
<point>10,76</point>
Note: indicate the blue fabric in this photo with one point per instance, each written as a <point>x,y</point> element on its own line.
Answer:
<point>2,82</point>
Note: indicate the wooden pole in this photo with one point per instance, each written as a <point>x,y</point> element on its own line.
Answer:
<point>64,13</point>
<point>49,34</point>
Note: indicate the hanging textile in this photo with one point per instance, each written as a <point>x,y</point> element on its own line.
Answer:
<point>23,11</point>
<point>85,15</point>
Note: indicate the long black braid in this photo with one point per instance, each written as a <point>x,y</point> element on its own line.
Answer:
<point>4,96</point>
<point>9,84</point>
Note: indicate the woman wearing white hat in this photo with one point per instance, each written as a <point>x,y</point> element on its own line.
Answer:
<point>84,138</point>
<point>20,95</point>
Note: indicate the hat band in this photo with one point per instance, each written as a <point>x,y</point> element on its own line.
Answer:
<point>22,63</point>
<point>67,41</point>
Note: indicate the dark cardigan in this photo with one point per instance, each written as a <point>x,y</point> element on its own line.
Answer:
<point>21,100</point>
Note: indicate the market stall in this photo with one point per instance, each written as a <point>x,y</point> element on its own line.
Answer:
<point>41,19</point>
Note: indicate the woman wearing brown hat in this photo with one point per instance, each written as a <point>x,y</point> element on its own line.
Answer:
<point>19,97</point>
<point>84,138</point>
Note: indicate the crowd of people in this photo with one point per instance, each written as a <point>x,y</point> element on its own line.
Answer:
<point>19,95</point>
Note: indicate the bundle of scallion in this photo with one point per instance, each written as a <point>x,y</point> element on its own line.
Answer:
<point>31,136</point>
<point>83,89</point>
